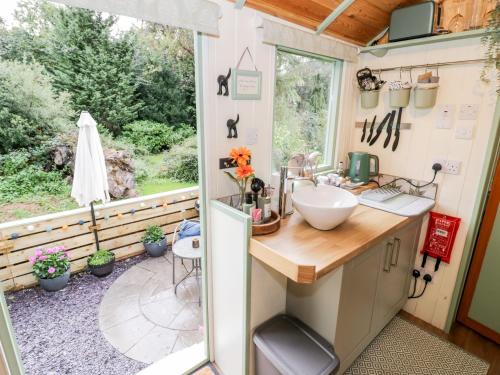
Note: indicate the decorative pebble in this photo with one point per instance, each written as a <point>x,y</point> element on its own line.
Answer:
<point>175,201</point>
<point>81,222</point>
<point>165,205</point>
<point>192,194</point>
<point>65,227</point>
<point>119,216</point>
<point>183,197</point>
<point>153,206</point>
<point>30,227</point>
<point>132,211</point>
<point>106,217</point>
<point>13,236</point>
<point>143,204</point>
<point>48,229</point>
<point>75,344</point>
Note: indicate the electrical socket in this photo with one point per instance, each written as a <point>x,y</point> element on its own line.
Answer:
<point>452,167</point>
<point>449,166</point>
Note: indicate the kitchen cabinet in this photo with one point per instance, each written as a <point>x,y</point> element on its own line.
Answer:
<point>397,257</point>
<point>352,304</point>
<point>374,288</point>
<point>359,289</point>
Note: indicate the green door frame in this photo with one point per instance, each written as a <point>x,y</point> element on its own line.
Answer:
<point>8,339</point>
<point>479,206</point>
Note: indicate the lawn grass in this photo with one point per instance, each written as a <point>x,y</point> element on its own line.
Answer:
<point>160,185</point>
<point>155,183</point>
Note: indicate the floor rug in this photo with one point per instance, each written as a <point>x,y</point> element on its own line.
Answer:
<point>403,348</point>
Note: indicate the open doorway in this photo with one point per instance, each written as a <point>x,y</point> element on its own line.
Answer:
<point>137,79</point>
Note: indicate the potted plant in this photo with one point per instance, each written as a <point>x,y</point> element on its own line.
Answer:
<point>154,241</point>
<point>51,267</point>
<point>101,263</point>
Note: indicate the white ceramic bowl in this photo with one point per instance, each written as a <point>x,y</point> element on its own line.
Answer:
<point>324,206</point>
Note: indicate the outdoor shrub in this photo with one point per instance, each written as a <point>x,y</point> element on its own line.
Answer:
<point>32,181</point>
<point>100,257</point>
<point>31,112</point>
<point>182,161</point>
<point>12,163</point>
<point>50,263</point>
<point>153,234</point>
<point>154,136</point>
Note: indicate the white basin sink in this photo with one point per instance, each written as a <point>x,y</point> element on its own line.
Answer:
<point>324,207</point>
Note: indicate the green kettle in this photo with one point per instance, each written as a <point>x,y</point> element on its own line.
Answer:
<point>360,166</point>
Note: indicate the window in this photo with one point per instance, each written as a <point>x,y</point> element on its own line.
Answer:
<point>305,104</point>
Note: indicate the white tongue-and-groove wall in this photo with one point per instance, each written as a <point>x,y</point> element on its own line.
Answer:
<point>459,84</point>
<point>238,30</point>
<point>418,147</point>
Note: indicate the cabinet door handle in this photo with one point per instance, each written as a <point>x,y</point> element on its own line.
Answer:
<point>388,256</point>
<point>397,241</point>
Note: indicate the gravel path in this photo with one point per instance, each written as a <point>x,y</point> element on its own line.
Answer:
<point>58,333</point>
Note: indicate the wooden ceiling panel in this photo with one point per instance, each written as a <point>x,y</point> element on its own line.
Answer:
<point>365,19</point>
<point>361,21</point>
<point>304,13</point>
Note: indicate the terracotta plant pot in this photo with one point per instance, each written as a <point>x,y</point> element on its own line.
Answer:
<point>156,249</point>
<point>103,269</point>
<point>55,284</point>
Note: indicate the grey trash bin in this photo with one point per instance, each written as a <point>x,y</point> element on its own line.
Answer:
<point>286,346</point>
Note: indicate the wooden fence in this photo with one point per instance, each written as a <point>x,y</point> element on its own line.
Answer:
<point>121,226</point>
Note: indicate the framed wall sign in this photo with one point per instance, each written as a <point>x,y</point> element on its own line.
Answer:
<point>246,84</point>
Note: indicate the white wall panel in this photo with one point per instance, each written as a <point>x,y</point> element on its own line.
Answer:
<point>419,146</point>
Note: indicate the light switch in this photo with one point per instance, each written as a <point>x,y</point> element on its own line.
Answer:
<point>468,112</point>
<point>463,132</point>
<point>464,129</point>
<point>251,136</point>
<point>445,117</point>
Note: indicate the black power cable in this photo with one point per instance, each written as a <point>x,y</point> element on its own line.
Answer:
<point>436,167</point>
<point>427,280</point>
<point>416,275</point>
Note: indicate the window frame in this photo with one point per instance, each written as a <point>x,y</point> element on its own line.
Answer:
<point>333,104</point>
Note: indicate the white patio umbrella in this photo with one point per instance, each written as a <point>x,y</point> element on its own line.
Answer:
<point>90,180</point>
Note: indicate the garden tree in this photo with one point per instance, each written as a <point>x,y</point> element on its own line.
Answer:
<point>93,66</point>
<point>25,41</point>
<point>31,112</point>
<point>165,59</point>
<point>301,106</point>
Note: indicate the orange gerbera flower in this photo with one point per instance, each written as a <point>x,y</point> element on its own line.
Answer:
<point>240,155</point>
<point>244,171</point>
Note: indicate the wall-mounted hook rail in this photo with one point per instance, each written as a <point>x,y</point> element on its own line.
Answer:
<point>427,66</point>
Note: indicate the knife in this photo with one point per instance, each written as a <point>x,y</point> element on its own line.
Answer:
<point>371,129</point>
<point>389,129</point>
<point>396,132</point>
<point>379,129</point>
<point>364,130</point>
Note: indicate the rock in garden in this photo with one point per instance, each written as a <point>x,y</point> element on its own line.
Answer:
<point>120,168</point>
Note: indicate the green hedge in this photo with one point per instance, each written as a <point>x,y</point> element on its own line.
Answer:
<point>155,137</point>
<point>182,161</point>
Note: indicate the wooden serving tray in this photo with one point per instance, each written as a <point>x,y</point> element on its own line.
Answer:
<point>266,228</point>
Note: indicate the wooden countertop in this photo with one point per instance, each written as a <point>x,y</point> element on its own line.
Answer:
<point>305,254</point>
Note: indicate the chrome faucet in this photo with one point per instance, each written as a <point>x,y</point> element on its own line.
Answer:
<point>283,181</point>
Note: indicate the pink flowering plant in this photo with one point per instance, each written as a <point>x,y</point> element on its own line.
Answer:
<point>50,263</point>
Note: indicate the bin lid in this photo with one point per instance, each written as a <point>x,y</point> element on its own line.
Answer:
<point>294,348</point>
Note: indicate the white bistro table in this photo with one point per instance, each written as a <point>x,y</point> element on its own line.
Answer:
<point>184,249</point>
